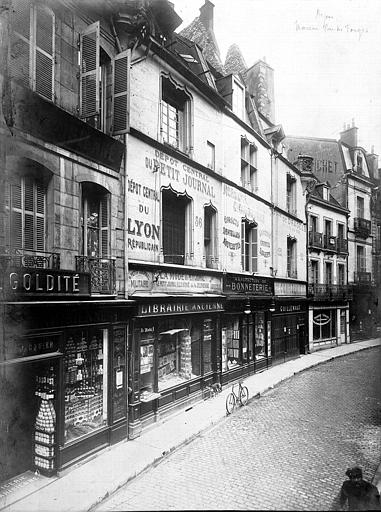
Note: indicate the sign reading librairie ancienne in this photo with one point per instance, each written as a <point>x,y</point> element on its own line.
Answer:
<point>248,285</point>
<point>173,308</point>
<point>41,281</point>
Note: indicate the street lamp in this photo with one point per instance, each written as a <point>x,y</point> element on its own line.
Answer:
<point>247,309</point>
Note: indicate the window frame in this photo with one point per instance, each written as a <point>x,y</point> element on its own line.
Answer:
<point>211,252</point>
<point>166,240</point>
<point>180,107</point>
<point>292,271</point>
<point>249,246</point>
<point>35,49</point>
<point>291,205</point>
<point>360,207</point>
<point>211,155</point>
<point>91,191</point>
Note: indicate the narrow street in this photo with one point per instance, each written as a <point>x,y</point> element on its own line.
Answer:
<point>287,450</point>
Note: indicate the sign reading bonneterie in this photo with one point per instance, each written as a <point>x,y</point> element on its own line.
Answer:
<point>40,281</point>
<point>249,285</point>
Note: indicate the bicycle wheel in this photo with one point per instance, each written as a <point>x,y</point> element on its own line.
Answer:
<point>244,395</point>
<point>230,403</point>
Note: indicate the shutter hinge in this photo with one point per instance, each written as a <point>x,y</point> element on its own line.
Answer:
<point>79,42</point>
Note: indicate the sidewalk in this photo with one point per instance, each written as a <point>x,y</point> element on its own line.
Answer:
<point>82,487</point>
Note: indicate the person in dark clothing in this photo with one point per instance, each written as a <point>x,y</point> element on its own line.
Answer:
<point>360,494</point>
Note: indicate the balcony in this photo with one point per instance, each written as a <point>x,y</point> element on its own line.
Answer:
<point>330,243</point>
<point>102,273</point>
<point>362,227</point>
<point>363,277</point>
<point>342,245</point>
<point>315,240</point>
<point>29,259</point>
<point>322,292</point>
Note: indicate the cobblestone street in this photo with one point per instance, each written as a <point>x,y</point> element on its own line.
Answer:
<point>287,450</point>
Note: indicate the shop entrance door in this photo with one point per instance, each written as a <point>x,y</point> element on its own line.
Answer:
<point>18,410</point>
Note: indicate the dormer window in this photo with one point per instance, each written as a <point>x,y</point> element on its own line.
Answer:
<point>326,193</point>
<point>238,99</point>
<point>359,163</point>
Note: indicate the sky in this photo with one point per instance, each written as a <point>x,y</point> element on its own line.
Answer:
<point>326,57</point>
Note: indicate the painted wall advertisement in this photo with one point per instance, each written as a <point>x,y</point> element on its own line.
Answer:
<point>172,282</point>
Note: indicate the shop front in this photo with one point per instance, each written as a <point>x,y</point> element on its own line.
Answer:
<point>328,325</point>
<point>246,326</point>
<point>175,342</point>
<point>289,322</point>
<point>63,373</point>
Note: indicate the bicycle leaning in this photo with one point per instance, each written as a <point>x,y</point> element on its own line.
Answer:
<point>241,397</point>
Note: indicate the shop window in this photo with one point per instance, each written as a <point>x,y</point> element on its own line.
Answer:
<point>103,84</point>
<point>95,221</point>
<point>291,258</point>
<point>26,200</point>
<point>324,324</point>
<point>207,339</point>
<point>85,374</point>
<point>172,352</point>
<point>210,237</point>
<point>176,236</point>
<point>343,321</point>
<point>248,165</point>
<point>175,116</point>
<point>247,331</point>
<point>291,194</point>
<point>32,46</point>
<point>231,339</point>
<point>360,207</point>
<point>249,246</point>
<point>211,163</point>
<point>260,334</point>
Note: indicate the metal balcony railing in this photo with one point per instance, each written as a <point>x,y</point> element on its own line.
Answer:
<point>319,291</point>
<point>315,239</point>
<point>330,243</point>
<point>342,245</point>
<point>362,227</point>
<point>102,273</point>
<point>29,259</point>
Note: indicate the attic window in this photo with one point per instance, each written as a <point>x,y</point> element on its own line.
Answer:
<point>325,193</point>
<point>175,116</point>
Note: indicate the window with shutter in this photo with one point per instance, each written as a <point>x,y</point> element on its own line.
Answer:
<point>121,72</point>
<point>95,221</point>
<point>32,47</point>
<point>175,113</point>
<point>249,246</point>
<point>27,205</point>
<point>89,71</point>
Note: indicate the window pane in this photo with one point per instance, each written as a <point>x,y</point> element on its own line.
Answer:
<point>233,342</point>
<point>208,336</point>
<point>147,370</point>
<point>173,228</point>
<point>259,323</point>
<point>85,367</point>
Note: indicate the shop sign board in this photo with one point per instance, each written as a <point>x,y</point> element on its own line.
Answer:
<point>290,288</point>
<point>173,308</point>
<point>250,285</point>
<point>172,282</point>
<point>16,347</point>
<point>41,281</point>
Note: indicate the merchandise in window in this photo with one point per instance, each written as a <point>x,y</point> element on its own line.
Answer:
<point>233,343</point>
<point>85,382</point>
<point>147,370</point>
<point>260,336</point>
<point>324,324</point>
<point>207,337</point>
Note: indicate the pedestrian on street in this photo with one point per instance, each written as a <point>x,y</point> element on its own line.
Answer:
<point>357,493</point>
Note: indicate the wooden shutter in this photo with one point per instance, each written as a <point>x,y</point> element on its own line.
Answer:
<point>104,225</point>
<point>20,56</point>
<point>120,97</point>
<point>44,52</point>
<point>89,71</point>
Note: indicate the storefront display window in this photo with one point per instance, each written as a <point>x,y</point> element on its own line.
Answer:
<point>260,335</point>
<point>85,382</point>
<point>324,324</point>
<point>173,351</point>
<point>207,337</point>
<point>233,342</point>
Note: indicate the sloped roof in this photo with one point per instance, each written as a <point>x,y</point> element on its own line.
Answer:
<point>235,63</point>
<point>205,38</point>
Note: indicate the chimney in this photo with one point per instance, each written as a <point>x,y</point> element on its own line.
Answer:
<point>206,15</point>
<point>349,135</point>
